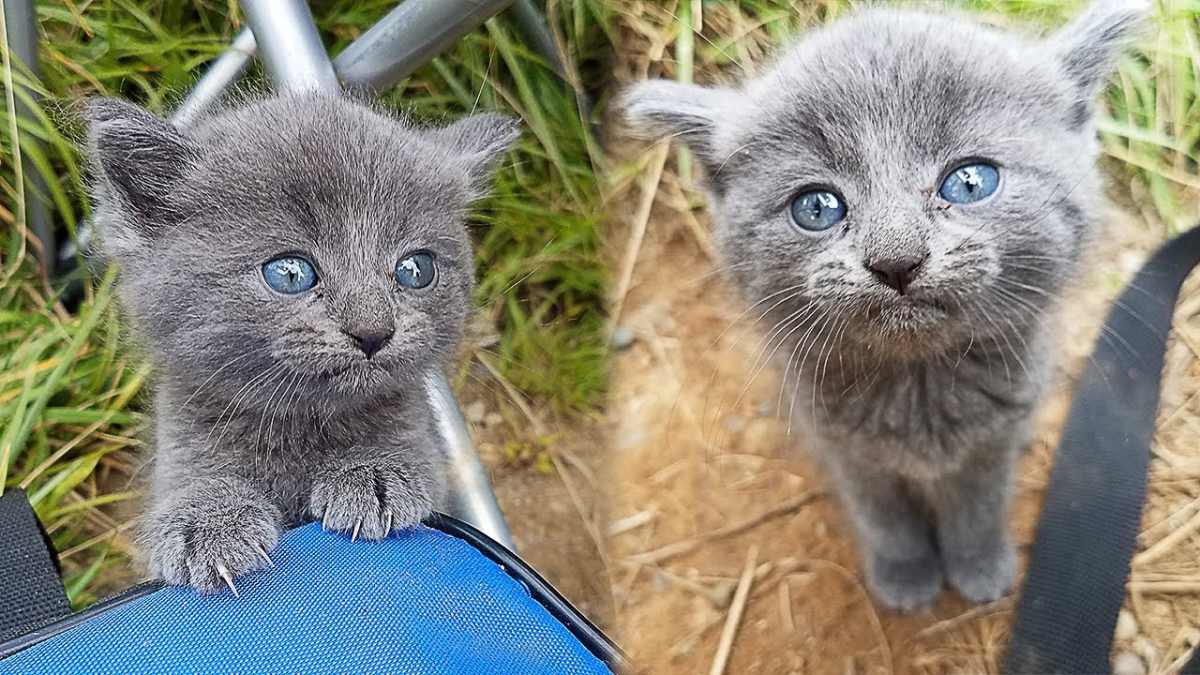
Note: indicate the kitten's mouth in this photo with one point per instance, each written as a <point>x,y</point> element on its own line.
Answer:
<point>369,368</point>
<point>908,313</point>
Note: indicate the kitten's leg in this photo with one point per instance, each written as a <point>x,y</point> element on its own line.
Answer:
<point>901,563</point>
<point>971,508</point>
<point>204,532</point>
<point>371,491</point>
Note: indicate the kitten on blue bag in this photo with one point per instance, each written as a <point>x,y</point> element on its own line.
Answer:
<point>905,195</point>
<point>295,268</point>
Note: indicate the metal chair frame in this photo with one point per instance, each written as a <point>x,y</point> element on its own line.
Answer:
<point>283,35</point>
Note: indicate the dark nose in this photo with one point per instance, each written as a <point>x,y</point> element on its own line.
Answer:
<point>371,342</point>
<point>896,271</point>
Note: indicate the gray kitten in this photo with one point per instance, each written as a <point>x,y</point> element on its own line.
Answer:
<point>905,196</point>
<point>295,268</point>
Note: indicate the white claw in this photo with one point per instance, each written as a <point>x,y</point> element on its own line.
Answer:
<point>325,520</point>
<point>388,530</point>
<point>354,535</point>
<point>224,573</point>
<point>263,552</point>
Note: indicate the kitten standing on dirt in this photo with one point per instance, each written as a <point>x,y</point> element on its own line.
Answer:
<point>904,197</point>
<point>295,268</point>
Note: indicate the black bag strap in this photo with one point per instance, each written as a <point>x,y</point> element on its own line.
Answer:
<point>31,590</point>
<point>590,636</point>
<point>1089,523</point>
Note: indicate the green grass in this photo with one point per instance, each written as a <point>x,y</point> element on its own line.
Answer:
<point>70,392</point>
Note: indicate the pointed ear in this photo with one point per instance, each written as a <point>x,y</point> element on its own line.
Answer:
<point>140,156</point>
<point>658,109</point>
<point>480,141</point>
<point>1089,46</point>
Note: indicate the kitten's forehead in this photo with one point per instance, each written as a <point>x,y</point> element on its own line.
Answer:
<point>911,82</point>
<point>328,169</point>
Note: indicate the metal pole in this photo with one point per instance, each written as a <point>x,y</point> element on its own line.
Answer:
<point>470,497</point>
<point>223,72</point>
<point>392,49</point>
<point>21,26</point>
<point>289,46</point>
<point>405,39</point>
<point>409,37</point>
<point>308,69</point>
<point>533,28</point>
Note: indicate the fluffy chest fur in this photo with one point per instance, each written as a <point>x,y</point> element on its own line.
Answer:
<point>924,418</point>
<point>276,442</point>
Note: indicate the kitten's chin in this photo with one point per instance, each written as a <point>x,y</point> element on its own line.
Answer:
<point>367,378</point>
<point>912,315</point>
<point>908,327</point>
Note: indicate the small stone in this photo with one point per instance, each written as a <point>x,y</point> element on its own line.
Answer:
<point>1127,627</point>
<point>631,438</point>
<point>1144,648</point>
<point>621,338</point>
<point>722,593</point>
<point>1128,663</point>
<point>474,412</point>
<point>660,583</point>
<point>761,433</point>
<point>492,419</point>
<point>1130,261</point>
<point>734,423</point>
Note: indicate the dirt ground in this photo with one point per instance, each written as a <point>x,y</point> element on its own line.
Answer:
<point>546,474</point>
<point>710,489</point>
<point>555,521</point>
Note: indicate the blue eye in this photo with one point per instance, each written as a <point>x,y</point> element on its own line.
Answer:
<point>415,270</point>
<point>290,274</point>
<point>970,183</point>
<point>817,210</point>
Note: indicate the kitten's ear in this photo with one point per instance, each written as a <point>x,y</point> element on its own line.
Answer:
<point>141,156</point>
<point>480,141</point>
<point>1089,46</point>
<point>658,109</point>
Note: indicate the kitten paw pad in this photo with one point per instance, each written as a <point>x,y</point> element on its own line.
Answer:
<point>369,502</point>
<point>986,577</point>
<point>208,550</point>
<point>905,585</point>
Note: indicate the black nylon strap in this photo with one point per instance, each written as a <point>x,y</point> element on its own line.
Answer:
<point>546,595</point>
<point>1089,522</point>
<point>31,592</point>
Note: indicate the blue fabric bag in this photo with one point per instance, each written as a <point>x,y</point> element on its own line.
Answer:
<point>436,601</point>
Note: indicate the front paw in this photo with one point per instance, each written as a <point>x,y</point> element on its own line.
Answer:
<point>369,500</point>
<point>983,577</point>
<point>207,545</point>
<point>904,585</point>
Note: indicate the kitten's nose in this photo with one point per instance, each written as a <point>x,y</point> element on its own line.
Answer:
<point>896,271</point>
<point>371,341</point>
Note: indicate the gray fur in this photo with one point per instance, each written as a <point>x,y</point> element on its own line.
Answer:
<point>266,413</point>
<point>917,403</point>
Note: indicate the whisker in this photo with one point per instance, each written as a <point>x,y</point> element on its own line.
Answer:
<point>183,406</point>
